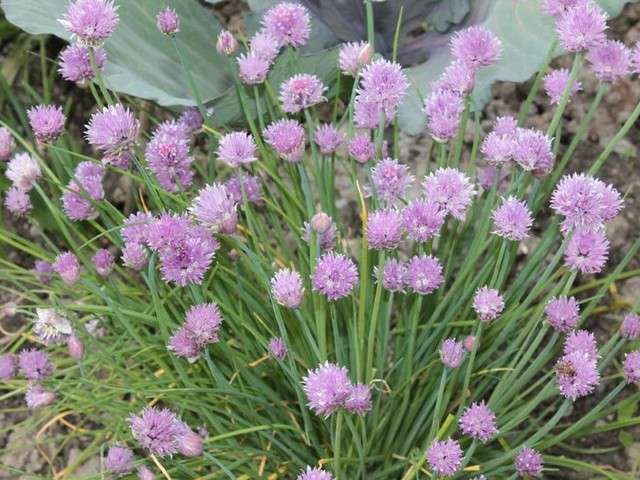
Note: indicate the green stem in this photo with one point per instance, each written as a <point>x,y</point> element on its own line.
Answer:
<point>373,325</point>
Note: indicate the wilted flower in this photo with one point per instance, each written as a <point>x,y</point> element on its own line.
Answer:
<point>445,457</point>
<point>23,170</point>
<point>451,190</point>
<point>157,431</point>
<point>287,138</point>
<point>265,46</point>
<point>581,341</point>
<point>50,326</point>
<point>359,399</point>
<point>443,109</point>
<point>555,83</point>
<point>237,148</point>
<point>630,328</point>
<point>286,288</point>
<point>479,422</point>
<point>277,348</point>
<point>528,462</point>
<point>168,21</point>
<point>334,276</point>
<point>113,131</point>
<point>6,144</point>
<point>384,229</point>
<point>631,366</point>
<point>353,56</point>
<point>423,274</point>
<point>577,375</point>
<point>587,252</point>
<point>582,27</point>
<point>119,460</point>
<point>328,138</point>
<point>18,201</point>
<point>91,21</point>
<point>226,43</point>
<point>68,267</point>
<point>35,364</point>
<point>288,23</point>
<point>314,474</point>
<point>488,303</point>
<point>422,219</point>
<point>8,366</point>
<point>37,396</point>
<point>512,219</point>
<point>563,313</point>
<point>214,208</point>
<point>533,151</point>
<point>361,148</point>
<point>327,388</point>
<point>47,122</point>
<point>301,91</point>
<point>610,60</point>
<point>476,47</point>
<point>452,353</point>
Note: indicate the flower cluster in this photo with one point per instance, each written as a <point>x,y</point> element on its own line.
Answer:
<point>200,329</point>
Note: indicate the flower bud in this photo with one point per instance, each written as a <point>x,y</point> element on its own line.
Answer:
<point>190,444</point>
<point>321,222</point>
<point>75,346</point>
<point>365,55</point>
<point>469,343</point>
<point>145,474</point>
<point>227,43</point>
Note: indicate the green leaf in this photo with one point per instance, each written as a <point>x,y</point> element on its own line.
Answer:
<point>141,61</point>
<point>625,438</point>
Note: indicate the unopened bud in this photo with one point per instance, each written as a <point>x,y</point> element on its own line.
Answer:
<point>365,55</point>
<point>226,43</point>
<point>75,346</point>
<point>190,444</point>
<point>321,222</point>
<point>469,343</point>
<point>145,474</point>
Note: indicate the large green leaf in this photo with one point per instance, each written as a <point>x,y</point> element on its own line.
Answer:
<point>525,31</point>
<point>141,61</point>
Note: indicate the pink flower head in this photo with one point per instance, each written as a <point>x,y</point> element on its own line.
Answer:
<point>452,353</point>
<point>202,323</point>
<point>35,364</point>
<point>610,60</point>
<point>191,120</point>
<point>134,256</point>
<point>587,251</point>
<point>226,43</point>
<point>18,201</point>
<point>557,8</point>
<point>506,125</point>
<point>469,343</point>
<point>581,341</point>
<point>327,388</point>
<point>183,345</point>
<point>555,83</point>
<point>301,91</point>
<point>287,138</point>
<point>458,78</point>
<point>563,313</point>
<point>75,63</point>
<point>168,21</point>
<point>43,270</point>
<point>252,68</point>
<point>47,122</point>
<point>335,276</point>
<point>533,151</point>
<point>144,473</point>
<point>37,396</point>
<point>264,45</point>
<point>528,463</point>
<point>91,21</point>
<point>324,227</point>
<point>476,47</point>
<point>288,23</point>
<point>214,208</point>
<point>8,366</point>
<point>190,444</point>
<point>103,262</point>
<point>314,474</point>
<point>23,170</point>
<point>631,366</point>
<point>188,262</point>
<point>113,131</point>
<point>479,422</point>
<point>490,175</point>
<point>384,229</point>
<point>240,182</point>
<point>81,194</point>
<point>444,457</point>
<point>630,328</point>
<point>157,430</point>
<point>359,399</point>
<point>577,375</point>
<point>6,144</point>
<point>443,109</point>
<point>361,148</point>
<point>384,83</point>
<point>353,56</point>
<point>119,460</point>
<point>136,227</point>
<point>422,219</point>
<point>423,274</point>
<point>582,27</point>
<point>451,190</point>
<point>367,113</point>
<point>498,147</point>
<point>512,219</point>
<point>68,267</point>
<point>237,148</point>
<point>168,157</point>
<point>488,303</point>
<point>286,288</point>
<point>390,180</point>
<point>277,348</point>
<point>328,138</point>
<point>393,275</point>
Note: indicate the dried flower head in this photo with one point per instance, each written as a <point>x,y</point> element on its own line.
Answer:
<point>50,326</point>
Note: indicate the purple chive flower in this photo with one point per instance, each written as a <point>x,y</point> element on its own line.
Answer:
<point>43,270</point>
<point>328,138</point>
<point>361,148</point>
<point>528,463</point>
<point>577,375</point>
<point>184,346</point>
<point>314,474</point>
<point>610,60</point>
<point>23,170</point>
<point>144,473</point>
<point>226,43</point>
<point>384,229</point>
<point>113,131</point>
<point>385,84</point>
<point>323,226</point>
<point>190,444</point>
<point>277,348</point>
<point>75,63</point>
<point>423,274</point>
<point>479,422</point>
<point>368,114</point>
<point>174,130</point>
<point>157,431</point>
<point>215,209</point>
<point>451,190</point>
<point>68,267</point>
<point>582,27</point>
<point>533,151</point>
<point>359,399</point>
<point>169,160</point>
<point>91,21</point>
<point>202,323</point>
<point>168,21</point>
<point>587,252</point>
<point>555,83</point>
<point>286,288</point>
<point>85,188</point>
<point>444,457</point>
<point>327,388</point>
<point>6,144</point>
<point>443,109</point>
<point>581,341</point>
<point>119,460</point>
<point>18,202</point>
<point>103,262</point>
<point>631,366</point>
<point>191,120</point>
<point>562,313</point>
<point>476,47</point>
<point>458,77</point>
<point>353,56</point>
<point>264,45</point>
<point>512,219</point>
<point>506,125</point>
<point>237,148</point>
<point>167,231</point>
<point>136,227</point>
<point>35,364</point>
<point>335,276</point>
<point>301,91</point>
<point>288,23</point>
<point>287,138</point>
<point>557,8</point>
<point>134,256</point>
<point>490,175</point>
<point>50,327</point>
<point>242,181</point>
<point>498,147</point>
<point>8,366</point>
<point>47,122</point>
<point>390,180</point>
<point>452,353</point>
<point>422,219</point>
<point>488,304</point>
<point>630,328</point>
<point>37,396</point>
<point>75,347</point>
<point>585,202</point>
<point>393,275</point>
